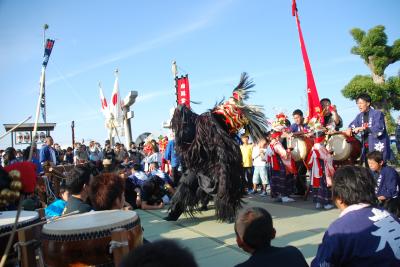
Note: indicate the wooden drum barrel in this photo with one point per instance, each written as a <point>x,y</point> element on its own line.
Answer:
<point>344,148</point>
<point>84,239</point>
<point>7,219</point>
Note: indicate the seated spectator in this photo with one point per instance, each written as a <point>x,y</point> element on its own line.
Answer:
<point>108,152</point>
<point>387,179</point>
<point>133,185</point>
<point>120,153</point>
<point>153,194</point>
<point>106,192</point>
<point>57,207</point>
<point>363,235</point>
<point>81,155</point>
<point>135,155</point>
<point>78,184</point>
<point>254,232</point>
<point>152,155</point>
<point>69,156</point>
<point>154,170</point>
<point>166,253</point>
<point>126,163</point>
<point>137,177</point>
<point>95,153</point>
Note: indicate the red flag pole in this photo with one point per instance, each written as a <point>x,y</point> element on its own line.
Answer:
<point>314,107</point>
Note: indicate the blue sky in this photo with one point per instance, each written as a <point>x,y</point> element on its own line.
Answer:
<point>213,41</point>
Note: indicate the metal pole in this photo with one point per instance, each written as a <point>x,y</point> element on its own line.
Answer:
<point>45,27</point>
<point>73,133</point>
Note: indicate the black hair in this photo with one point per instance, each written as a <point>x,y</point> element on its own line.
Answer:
<point>325,100</point>
<point>393,206</point>
<point>353,185</point>
<point>365,97</point>
<point>297,112</point>
<point>375,156</point>
<point>78,177</point>
<point>10,154</point>
<point>166,253</point>
<point>259,229</point>
<point>25,154</point>
<point>136,167</point>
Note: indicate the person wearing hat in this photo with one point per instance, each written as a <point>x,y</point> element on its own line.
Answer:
<point>320,162</point>
<point>281,167</point>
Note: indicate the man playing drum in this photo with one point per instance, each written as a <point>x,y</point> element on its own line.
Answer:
<point>299,128</point>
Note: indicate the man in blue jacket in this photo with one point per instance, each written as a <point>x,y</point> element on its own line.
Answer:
<point>47,153</point>
<point>363,235</point>
<point>370,123</point>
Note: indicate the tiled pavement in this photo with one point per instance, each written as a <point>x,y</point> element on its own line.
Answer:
<point>213,243</point>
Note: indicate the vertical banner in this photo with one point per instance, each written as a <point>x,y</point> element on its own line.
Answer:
<point>47,52</point>
<point>43,97</point>
<point>183,91</point>
<point>314,107</point>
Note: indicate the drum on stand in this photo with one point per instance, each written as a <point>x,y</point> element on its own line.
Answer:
<point>301,146</point>
<point>7,219</point>
<point>345,149</point>
<point>84,240</point>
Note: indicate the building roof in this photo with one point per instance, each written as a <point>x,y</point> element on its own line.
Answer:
<point>29,127</point>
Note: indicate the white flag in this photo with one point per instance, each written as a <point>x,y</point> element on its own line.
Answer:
<point>104,105</point>
<point>116,108</point>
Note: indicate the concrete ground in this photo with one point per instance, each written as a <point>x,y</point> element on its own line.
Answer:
<point>213,243</point>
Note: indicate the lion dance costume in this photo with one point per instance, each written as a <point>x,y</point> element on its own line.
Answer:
<point>211,155</point>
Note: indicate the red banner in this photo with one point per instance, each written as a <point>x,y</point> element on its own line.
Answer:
<point>314,107</point>
<point>182,91</point>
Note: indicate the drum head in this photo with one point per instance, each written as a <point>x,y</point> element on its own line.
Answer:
<point>301,147</point>
<point>340,147</point>
<point>7,219</point>
<point>90,222</point>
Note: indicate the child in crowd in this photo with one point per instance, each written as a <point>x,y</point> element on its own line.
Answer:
<point>387,178</point>
<point>57,207</point>
<point>260,167</point>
